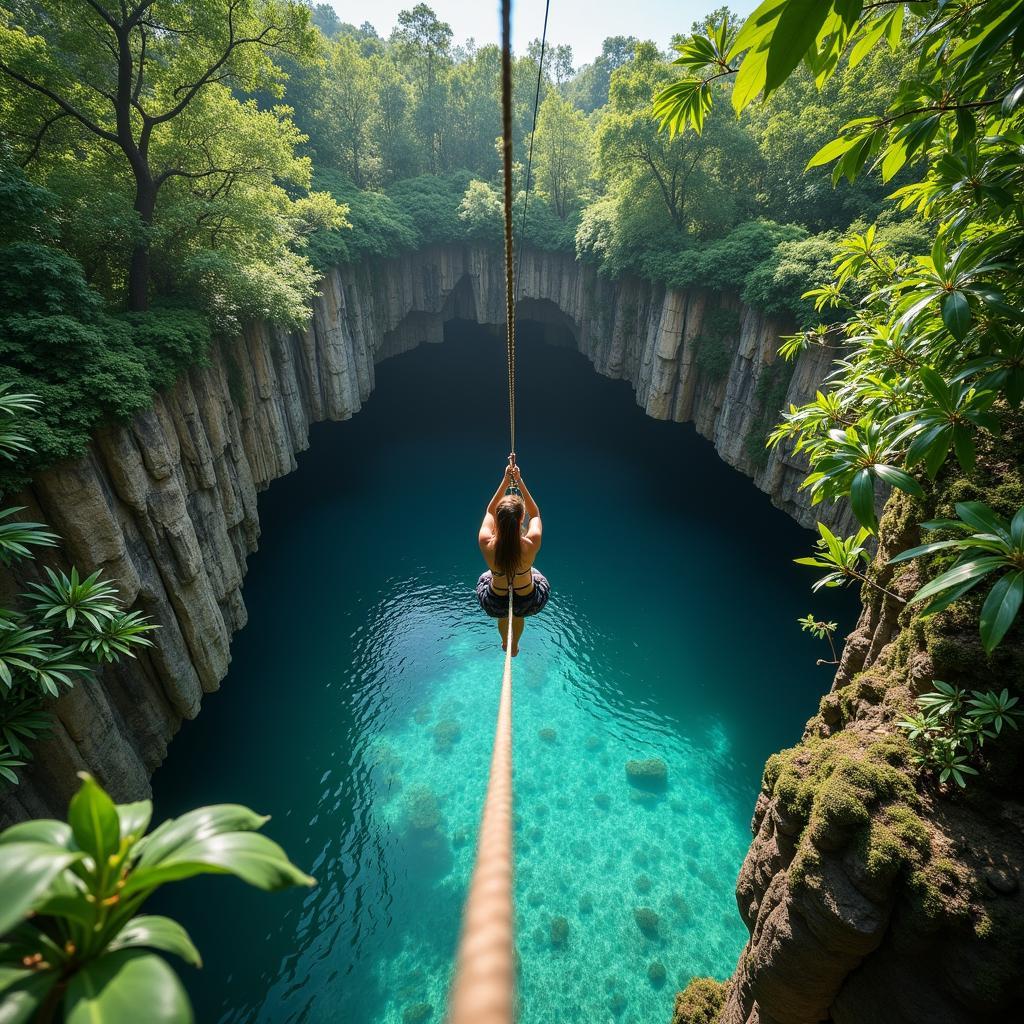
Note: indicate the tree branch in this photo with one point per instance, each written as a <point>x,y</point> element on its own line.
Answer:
<point>68,109</point>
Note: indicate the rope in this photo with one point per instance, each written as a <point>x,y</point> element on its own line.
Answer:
<point>533,134</point>
<point>484,987</point>
<point>506,157</point>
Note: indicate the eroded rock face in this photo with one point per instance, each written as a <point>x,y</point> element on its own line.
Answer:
<point>166,504</point>
<point>872,895</point>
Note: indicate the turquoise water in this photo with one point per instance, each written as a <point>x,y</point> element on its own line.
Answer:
<point>360,705</point>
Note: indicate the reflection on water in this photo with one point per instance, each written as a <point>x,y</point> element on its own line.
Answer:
<point>360,706</point>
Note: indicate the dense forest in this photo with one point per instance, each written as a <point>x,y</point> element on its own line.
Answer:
<point>245,153</point>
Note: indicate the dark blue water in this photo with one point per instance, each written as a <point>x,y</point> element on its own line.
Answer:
<point>360,704</point>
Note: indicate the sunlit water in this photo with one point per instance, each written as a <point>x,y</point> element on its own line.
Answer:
<point>360,705</point>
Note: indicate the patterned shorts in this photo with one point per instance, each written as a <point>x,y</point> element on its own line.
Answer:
<point>496,605</point>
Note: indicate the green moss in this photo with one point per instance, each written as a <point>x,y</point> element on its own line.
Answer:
<point>701,1002</point>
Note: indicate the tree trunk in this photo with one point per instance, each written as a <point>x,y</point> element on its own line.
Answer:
<point>138,265</point>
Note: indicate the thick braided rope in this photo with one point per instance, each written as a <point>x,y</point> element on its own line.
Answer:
<point>484,988</point>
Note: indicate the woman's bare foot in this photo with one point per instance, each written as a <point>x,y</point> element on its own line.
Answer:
<point>515,648</point>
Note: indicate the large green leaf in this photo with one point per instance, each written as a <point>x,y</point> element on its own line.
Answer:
<point>1000,609</point>
<point>956,314</point>
<point>22,992</point>
<point>895,477</point>
<point>982,518</point>
<point>158,932</point>
<point>862,499</point>
<point>795,33</point>
<point>924,549</point>
<point>134,818</point>
<point>27,869</point>
<point>253,858</point>
<point>957,576</point>
<point>38,830</point>
<point>94,821</point>
<point>127,987</point>
<point>198,824</point>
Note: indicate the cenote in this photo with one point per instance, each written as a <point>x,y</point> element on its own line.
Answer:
<point>360,705</point>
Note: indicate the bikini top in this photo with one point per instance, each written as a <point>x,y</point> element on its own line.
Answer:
<point>515,589</point>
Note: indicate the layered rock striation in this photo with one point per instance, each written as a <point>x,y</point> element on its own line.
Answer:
<point>167,504</point>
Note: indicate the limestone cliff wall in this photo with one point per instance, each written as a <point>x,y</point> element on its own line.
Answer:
<point>167,504</point>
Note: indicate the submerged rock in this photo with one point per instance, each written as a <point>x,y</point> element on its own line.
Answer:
<point>617,1003</point>
<point>592,743</point>
<point>657,974</point>
<point>423,811</point>
<point>559,931</point>
<point>603,800</point>
<point>446,734</point>
<point>651,774</point>
<point>586,903</point>
<point>547,734</point>
<point>417,1013</point>
<point>647,921</point>
<point>642,884</point>
<point>422,714</point>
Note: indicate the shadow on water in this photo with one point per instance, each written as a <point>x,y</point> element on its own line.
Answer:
<point>360,703</point>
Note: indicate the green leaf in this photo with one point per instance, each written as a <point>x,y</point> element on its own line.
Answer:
<point>253,858</point>
<point>115,988</point>
<point>160,933</point>
<point>982,518</point>
<point>27,869</point>
<point>973,570</point>
<point>23,992</point>
<point>797,29</point>
<point>956,314</point>
<point>924,549</point>
<point>134,818</point>
<point>196,825</point>
<point>1000,609</point>
<point>831,150</point>
<point>862,499</point>
<point>94,821</point>
<point>38,830</point>
<point>963,445</point>
<point>898,478</point>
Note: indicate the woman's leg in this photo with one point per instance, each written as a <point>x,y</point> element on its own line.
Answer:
<point>503,631</point>
<point>517,632</point>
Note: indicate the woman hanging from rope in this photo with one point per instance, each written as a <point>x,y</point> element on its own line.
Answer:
<point>509,547</point>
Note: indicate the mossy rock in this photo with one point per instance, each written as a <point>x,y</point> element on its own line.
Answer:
<point>446,734</point>
<point>592,743</point>
<point>547,734</point>
<point>559,931</point>
<point>701,1002</point>
<point>603,800</point>
<point>647,921</point>
<point>642,884</point>
<point>417,1013</point>
<point>650,774</point>
<point>657,974</point>
<point>617,1004</point>
<point>586,903</point>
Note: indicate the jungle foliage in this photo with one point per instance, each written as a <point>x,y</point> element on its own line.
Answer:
<point>931,344</point>
<point>74,946</point>
<point>64,626</point>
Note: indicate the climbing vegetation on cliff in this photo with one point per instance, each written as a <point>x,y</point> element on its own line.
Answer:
<point>72,943</point>
<point>931,346</point>
<point>65,627</point>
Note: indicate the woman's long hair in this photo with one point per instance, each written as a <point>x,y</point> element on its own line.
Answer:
<point>509,517</point>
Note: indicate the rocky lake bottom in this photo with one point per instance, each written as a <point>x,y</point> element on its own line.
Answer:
<point>360,705</point>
